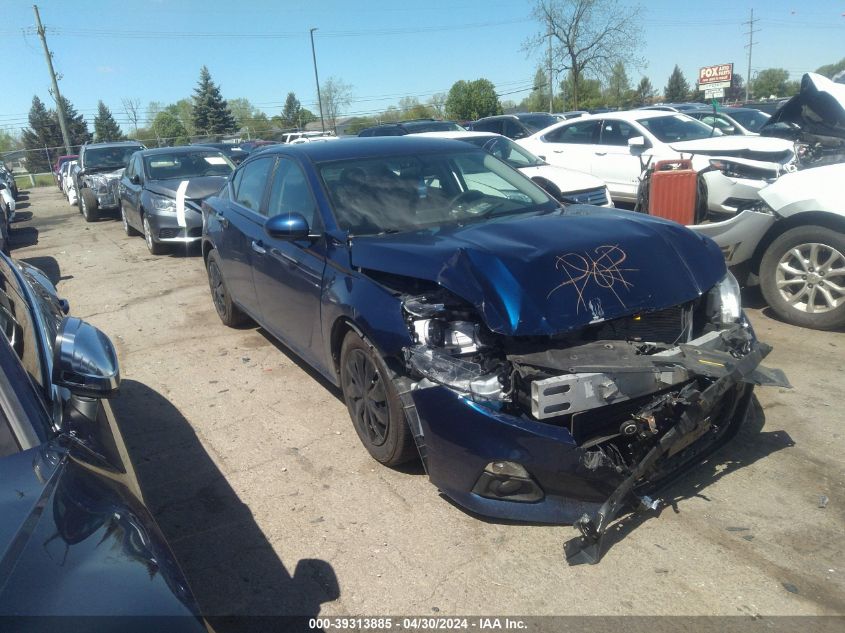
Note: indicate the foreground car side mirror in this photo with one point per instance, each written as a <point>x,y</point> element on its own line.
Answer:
<point>287,226</point>
<point>84,360</point>
<point>135,180</point>
<point>636,142</point>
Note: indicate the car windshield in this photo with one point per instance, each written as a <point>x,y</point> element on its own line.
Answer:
<point>751,120</point>
<point>113,157</point>
<point>394,194</point>
<point>537,122</point>
<point>187,165</point>
<point>505,149</point>
<point>677,127</point>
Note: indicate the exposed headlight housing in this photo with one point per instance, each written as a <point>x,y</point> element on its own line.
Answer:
<point>456,337</point>
<point>100,184</point>
<point>724,301</point>
<point>162,204</point>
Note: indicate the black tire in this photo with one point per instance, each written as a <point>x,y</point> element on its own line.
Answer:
<point>127,228</point>
<point>155,248</point>
<point>88,205</point>
<point>5,230</point>
<point>810,284</point>
<point>227,310</point>
<point>373,403</point>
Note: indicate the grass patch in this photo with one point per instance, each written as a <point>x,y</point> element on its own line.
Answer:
<point>41,180</point>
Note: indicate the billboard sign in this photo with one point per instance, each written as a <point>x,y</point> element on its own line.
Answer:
<point>720,74</point>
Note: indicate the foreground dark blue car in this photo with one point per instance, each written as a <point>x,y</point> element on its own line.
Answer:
<point>546,363</point>
<point>75,536</point>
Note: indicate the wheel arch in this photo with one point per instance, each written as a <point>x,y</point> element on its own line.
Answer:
<point>824,219</point>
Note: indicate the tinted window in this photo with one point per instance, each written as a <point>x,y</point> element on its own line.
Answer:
<point>514,129</point>
<point>583,132</point>
<point>488,126</point>
<point>250,183</point>
<point>290,193</point>
<point>505,149</point>
<point>616,133</point>
<point>19,329</point>
<point>114,157</point>
<point>751,120</point>
<point>536,122</point>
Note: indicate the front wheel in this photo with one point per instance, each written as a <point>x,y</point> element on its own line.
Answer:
<point>802,276</point>
<point>127,228</point>
<point>373,403</point>
<point>227,310</point>
<point>88,205</point>
<point>155,248</point>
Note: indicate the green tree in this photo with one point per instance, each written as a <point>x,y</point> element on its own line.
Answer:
<point>677,88</point>
<point>105,127</point>
<point>168,129</point>
<point>618,86</point>
<point>644,92</point>
<point>292,111</point>
<point>211,112</point>
<point>538,100</point>
<point>736,91</point>
<point>470,100</point>
<point>411,108</point>
<point>589,37</point>
<point>358,123</point>
<point>437,103</point>
<point>771,82</point>
<point>43,132</point>
<point>829,70</point>
<point>184,109</point>
<point>590,91</point>
<point>8,142</point>
<point>77,128</point>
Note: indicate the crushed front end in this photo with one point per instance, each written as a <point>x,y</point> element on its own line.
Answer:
<point>574,427</point>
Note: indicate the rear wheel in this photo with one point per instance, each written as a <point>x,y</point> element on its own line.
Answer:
<point>802,276</point>
<point>373,403</point>
<point>88,205</point>
<point>227,310</point>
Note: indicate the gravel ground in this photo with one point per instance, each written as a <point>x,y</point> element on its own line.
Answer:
<point>251,465</point>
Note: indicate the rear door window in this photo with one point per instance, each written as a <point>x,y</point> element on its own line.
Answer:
<point>580,132</point>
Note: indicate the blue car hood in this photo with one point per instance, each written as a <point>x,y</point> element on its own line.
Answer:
<point>546,274</point>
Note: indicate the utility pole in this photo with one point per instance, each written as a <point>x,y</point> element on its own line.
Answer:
<point>551,72</point>
<point>750,47</point>
<point>317,79</point>
<point>59,106</point>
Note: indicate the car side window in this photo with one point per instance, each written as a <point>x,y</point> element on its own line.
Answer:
<point>290,193</point>
<point>515,130</point>
<point>251,182</point>
<point>130,169</point>
<point>616,133</point>
<point>488,126</point>
<point>19,329</point>
<point>580,132</point>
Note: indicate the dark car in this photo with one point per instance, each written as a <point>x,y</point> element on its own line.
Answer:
<point>414,126</point>
<point>100,167</point>
<point>538,359</point>
<point>75,536</point>
<point>515,126</point>
<point>162,189</point>
<point>731,121</point>
<point>234,152</point>
<point>675,107</point>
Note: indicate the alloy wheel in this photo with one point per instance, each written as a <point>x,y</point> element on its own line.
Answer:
<point>218,290</point>
<point>123,218</point>
<point>811,278</point>
<point>148,233</point>
<point>365,390</point>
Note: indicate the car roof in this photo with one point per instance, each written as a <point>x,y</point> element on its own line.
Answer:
<point>110,144</point>
<point>367,147</point>
<point>457,134</point>
<point>624,115</point>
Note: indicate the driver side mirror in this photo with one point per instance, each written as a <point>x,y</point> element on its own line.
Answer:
<point>135,179</point>
<point>84,360</point>
<point>637,142</point>
<point>287,226</point>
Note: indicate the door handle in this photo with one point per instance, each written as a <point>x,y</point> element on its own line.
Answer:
<point>558,151</point>
<point>601,153</point>
<point>222,219</point>
<point>258,248</point>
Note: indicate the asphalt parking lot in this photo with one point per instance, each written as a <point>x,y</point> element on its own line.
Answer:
<point>254,472</point>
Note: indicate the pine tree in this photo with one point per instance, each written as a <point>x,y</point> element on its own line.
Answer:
<point>644,92</point>
<point>105,127</point>
<point>43,133</point>
<point>77,128</point>
<point>677,89</point>
<point>292,111</point>
<point>211,112</point>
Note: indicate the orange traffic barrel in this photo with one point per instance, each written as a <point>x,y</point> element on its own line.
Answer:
<point>672,191</point>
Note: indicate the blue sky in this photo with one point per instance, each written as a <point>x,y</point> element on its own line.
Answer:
<point>153,49</point>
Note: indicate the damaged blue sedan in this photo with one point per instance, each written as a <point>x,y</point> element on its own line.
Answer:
<point>546,363</point>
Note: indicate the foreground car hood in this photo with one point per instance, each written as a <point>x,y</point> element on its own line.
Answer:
<point>567,180</point>
<point>553,273</point>
<point>729,145</point>
<point>199,188</point>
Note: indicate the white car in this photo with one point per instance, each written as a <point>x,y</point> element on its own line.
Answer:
<point>618,146</point>
<point>69,182</point>
<point>567,185</point>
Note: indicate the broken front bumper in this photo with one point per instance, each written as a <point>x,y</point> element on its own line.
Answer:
<point>517,468</point>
